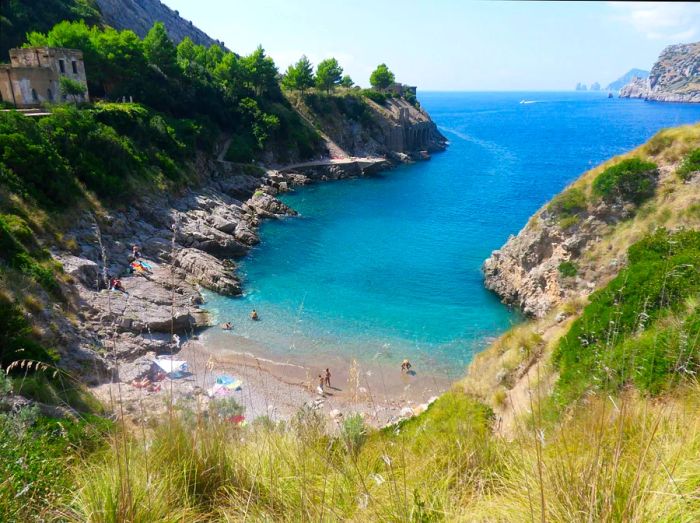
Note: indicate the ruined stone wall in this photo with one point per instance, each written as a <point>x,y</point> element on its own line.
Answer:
<point>33,75</point>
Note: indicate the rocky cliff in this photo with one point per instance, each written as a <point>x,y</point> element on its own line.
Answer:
<point>354,125</point>
<point>675,77</point>
<point>140,15</point>
<point>626,78</point>
<point>577,242</point>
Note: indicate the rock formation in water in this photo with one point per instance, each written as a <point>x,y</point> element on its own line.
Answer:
<point>139,16</point>
<point>675,77</point>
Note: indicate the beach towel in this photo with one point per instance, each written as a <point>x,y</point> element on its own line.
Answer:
<point>225,389</point>
<point>137,267</point>
<point>224,379</point>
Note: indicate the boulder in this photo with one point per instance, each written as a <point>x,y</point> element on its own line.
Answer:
<point>82,269</point>
<point>208,271</point>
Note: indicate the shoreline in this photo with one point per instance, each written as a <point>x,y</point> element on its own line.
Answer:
<point>276,390</point>
<point>272,388</point>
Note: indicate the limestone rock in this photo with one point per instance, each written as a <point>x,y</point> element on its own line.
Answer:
<point>268,206</point>
<point>675,77</point>
<point>208,271</point>
<point>140,17</point>
<point>84,270</point>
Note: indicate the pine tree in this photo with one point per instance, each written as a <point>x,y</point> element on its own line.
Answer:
<point>328,74</point>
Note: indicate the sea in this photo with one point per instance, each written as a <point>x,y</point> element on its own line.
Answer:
<point>389,266</point>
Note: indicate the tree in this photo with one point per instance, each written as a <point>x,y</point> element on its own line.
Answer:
<point>229,74</point>
<point>381,77</point>
<point>328,74</point>
<point>72,88</point>
<point>346,81</point>
<point>299,76</point>
<point>186,51</point>
<point>260,72</point>
<point>159,50</point>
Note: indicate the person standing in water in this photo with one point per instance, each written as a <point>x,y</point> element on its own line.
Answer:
<point>328,378</point>
<point>405,366</point>
<point>254,315</point>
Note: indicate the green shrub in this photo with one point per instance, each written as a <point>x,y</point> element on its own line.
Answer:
<point>19,229</point>
<point>375,96</point>
<point>638,328</point>
<point>632,180</point>
<point>354,432</point>
<point>568,269</point>
<point>18,257</point>
<point>567,206</point>
<point>690,164</point>
<point>38,456</point>
<point>16,341</point>
<point>569,202</point>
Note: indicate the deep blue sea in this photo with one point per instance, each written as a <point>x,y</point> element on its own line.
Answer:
<point>388,267</point>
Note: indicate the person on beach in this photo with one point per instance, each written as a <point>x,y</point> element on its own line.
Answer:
<point>254,315</point>
<point>135,251</point>
<point>319,389</point>
<point>405,366</point>
<point>328,378</point>
<point>227,326</point>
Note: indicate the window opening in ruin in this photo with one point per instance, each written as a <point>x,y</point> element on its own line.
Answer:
<point>62,66</point>
<point>75,67</point>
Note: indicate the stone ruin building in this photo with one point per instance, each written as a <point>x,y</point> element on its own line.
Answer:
<point>32,76</point>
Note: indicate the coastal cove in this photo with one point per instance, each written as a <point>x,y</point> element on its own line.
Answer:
<point>389,267</point>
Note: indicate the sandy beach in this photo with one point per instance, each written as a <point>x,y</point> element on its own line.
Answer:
<point>279,389</point>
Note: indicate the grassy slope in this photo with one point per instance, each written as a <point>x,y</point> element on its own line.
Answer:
<point>500,374</point>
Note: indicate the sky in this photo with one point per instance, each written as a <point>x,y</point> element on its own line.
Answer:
<point>455,45</point>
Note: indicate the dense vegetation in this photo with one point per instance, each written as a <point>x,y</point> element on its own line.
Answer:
<point>19,17</point>
<point>631,180</point>
<point>38,453</point>
<point>643,327</point>
<point>110,149</point>
<point>241,95</point>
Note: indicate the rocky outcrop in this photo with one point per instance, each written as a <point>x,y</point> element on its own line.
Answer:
<point>675,77</point>
<point>359,127</point>
<point>140,15</point>
<point>637,88</point>
<point>526,272</point>
<point>208,271</point>
<point>626,78</point>
<point>409,129</point>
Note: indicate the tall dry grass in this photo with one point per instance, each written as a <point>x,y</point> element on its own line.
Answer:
<point>625,458</point>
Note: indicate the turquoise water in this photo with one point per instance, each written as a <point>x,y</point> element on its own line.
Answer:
<point>388,267</point>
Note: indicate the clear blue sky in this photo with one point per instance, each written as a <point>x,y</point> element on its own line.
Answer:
<point>455,44</point>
